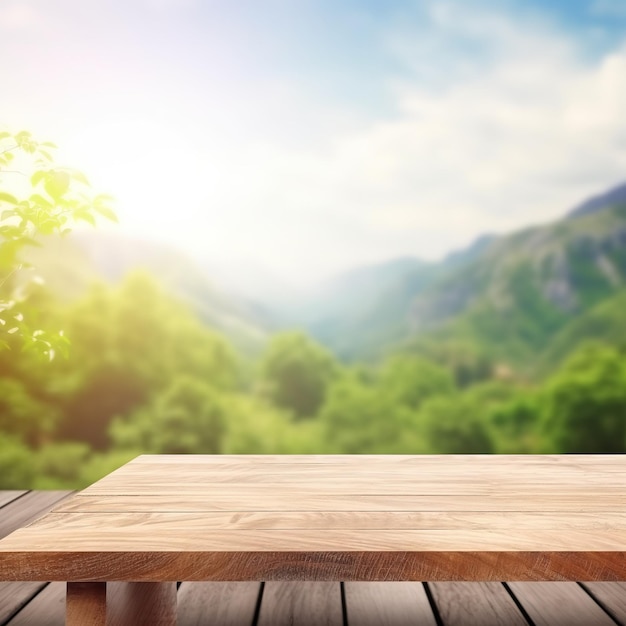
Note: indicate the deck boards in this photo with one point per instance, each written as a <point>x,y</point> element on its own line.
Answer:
<point>310,604</point>
<point>549,603</point>
<point>17,509</point>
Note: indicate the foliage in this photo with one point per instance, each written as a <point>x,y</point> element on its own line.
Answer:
<point>603,323</point>
<point>128,345</point>
<point>359,418</point>
<point>23,415</point>
<point>411,380</point>
<point>145,374</point>
<point>585,410</point>
<point>17,470</point>
<point>514,426</point>
<point>255,426</point>
<point>37,198</point>
<point>101,464</point>
<point>295,373</point>
<point>58,465</point>
<point>453,425</point>
<point>187,416</point>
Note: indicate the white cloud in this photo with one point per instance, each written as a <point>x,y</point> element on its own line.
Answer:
<point>520,139</point>
<point>609,8</point>
<point>17,16</point>
<point>499,120</point>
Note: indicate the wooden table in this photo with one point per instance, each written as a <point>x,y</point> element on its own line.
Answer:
<point>161,519</point>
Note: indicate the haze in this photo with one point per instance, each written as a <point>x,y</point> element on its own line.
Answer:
<point>310,137</point>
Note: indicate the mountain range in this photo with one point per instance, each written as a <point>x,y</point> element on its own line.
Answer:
<point>532,292</point>
<point>510,294</point>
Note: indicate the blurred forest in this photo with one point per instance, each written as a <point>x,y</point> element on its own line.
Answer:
<point>515,345</point>
<point>144,375</point>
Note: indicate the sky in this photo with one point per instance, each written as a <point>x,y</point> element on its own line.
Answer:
<point>307,137</point>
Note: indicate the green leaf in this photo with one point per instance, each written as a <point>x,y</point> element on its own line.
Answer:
<point>57,183</point>
<point>7,197</point>
<point>80,177</point>
<point>85,216</point>
<point>4,135</point>
<point>46,155</point>
<point>29,241</point>
<point>7,213</point>
<point>103,197</point>
<point>40,200</point>
<point>106,212</point>
<point>37,177</point>
<point>49,144</point>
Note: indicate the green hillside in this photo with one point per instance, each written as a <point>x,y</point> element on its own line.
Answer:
<point>514,346</point>
<point>361,313</point>
<point>511,295</point>
<point>525,288</point>
<point>70,265</point>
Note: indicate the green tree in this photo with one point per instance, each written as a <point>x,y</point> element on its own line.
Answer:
<point>585,409</point>
<point>256,426</point>
<point>360,418</point>
<point>37,198</point>
<point>514,422</point>
<point>410,380</point>
<point>25,416</point>
<point>464,357</point>
<point>296,372</point>
<point>185,418</point>
<point>454,425</point>
<point>17,470</point>
<point>129,344</point>
<point>59,465</point>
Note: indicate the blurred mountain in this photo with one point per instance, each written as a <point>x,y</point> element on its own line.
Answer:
<point>361,313</point>
<point>612,197</point>
<point>523,290</point>
<point>536,291</point>
<point>362,308</point>
<point>70,264</point>
<point>510,294</point>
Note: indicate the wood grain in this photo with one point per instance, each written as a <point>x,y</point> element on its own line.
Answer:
<point>19,509</point>
<point>223,604</point>
<point>388,604</point>
<point>198,522</point>
<point>476,604</point>
<point>9,496</point>
<point>86,604</point>
<point>498,502</point>
<point>611,596</point>
<point>301,604</point>
<point>232,518</point>
<point>45,609</point>
<point>559,603</point>
<point>167,537</point>
<point>31,506</point>
<point>15,595</point>
<point>132,603</point>
<point>314,565</point>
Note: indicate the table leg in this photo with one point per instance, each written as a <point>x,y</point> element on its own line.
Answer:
<point>121,604</point>
<point>86,604</point>
<point>131,604</point>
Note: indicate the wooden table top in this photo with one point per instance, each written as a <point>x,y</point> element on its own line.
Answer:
<point>470,517</point>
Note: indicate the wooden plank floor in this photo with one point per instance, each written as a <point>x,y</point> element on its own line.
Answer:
<point>330,604</point>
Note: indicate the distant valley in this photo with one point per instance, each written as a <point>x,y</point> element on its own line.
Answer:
<point>516,295</point>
